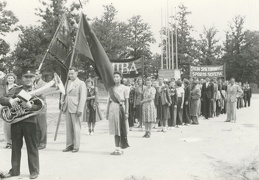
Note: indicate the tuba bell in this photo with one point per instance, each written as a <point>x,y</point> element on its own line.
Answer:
<point>11,115</point>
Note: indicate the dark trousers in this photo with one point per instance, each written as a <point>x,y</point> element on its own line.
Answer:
<point>131,115</point>
<point>42,129</point>
<point>206,107</point>
<point>247,101</point>
<point>186,113</point>
<point>28,131</point>
<point>179,115</point>
<point>172,119</point>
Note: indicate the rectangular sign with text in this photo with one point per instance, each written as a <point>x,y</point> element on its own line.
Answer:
<point>129,68</point>
<point>207,71</point>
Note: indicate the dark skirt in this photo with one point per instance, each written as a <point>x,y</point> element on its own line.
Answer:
<point>163,112</point>
<point>92,115</point>
<point>138,111</point>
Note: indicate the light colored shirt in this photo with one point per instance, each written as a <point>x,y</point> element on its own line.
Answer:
<point>179,91</point>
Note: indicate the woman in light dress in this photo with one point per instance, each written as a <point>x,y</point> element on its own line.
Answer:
<point>148,108</point>
<point>117,114</point>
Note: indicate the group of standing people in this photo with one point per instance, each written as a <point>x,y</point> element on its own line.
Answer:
<point>166,105</point>
<point>158,103</point>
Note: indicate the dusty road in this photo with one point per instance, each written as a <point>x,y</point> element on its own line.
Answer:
<point>214,150</point>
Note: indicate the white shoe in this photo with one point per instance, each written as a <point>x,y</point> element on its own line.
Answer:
<point>92,133</point>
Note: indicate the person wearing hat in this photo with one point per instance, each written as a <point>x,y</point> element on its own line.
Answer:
<point>23,129</point>
<point>73,107</point>
<point>42,117</point>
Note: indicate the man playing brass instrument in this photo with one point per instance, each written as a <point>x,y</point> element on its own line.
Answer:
<point>25,128</point>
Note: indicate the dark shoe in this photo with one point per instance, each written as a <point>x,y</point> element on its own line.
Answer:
<point>41,147</point>
<point>114,153</point>
<point>33,176</point>
<point>148,135</point>
<point>75,150</point>
<point>9,175</point>
<point>8,146</point>
<point>145,135</point>
<point>227,121</point>
<point>70,148</point>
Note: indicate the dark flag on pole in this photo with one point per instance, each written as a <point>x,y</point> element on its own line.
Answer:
<point>61,48</point>
<point>89,46</point>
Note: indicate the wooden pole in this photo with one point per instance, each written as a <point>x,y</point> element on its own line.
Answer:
<point>70,65</point>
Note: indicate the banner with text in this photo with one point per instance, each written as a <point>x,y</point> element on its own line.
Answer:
<point>207,71</point>
<point>130,68</point>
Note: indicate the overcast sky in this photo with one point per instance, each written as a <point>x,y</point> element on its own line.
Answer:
<point>204,13</point>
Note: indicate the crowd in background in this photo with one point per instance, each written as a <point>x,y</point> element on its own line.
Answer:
<point>171,104</point>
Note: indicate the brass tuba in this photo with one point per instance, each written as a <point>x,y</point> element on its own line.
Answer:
<point>11,115</point>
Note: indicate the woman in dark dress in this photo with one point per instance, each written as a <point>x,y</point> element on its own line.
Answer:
<point>163,102</point>
<point>91,105</point>
<point>187,100</point>
<point>131,107</point>
<point>137,102</point>
<point>173,107</point>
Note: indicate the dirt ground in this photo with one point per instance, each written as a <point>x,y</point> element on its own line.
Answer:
<point>213,150</point>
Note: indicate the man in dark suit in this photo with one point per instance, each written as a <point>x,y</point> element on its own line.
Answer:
<point>25,128</point>
<point>207,97</point>
<point>247,94</point>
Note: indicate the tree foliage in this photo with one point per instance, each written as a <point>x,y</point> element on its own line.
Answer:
<point>208,47</point>
<point>7,24</point>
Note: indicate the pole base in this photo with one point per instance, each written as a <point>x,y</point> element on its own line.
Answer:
<point>168,74</point>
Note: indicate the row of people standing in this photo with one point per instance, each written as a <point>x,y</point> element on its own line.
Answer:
<point>165,105</point>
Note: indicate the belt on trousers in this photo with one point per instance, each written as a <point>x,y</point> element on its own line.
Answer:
<point>121,102</point>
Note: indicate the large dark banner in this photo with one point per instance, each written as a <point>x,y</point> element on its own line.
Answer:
<point>130,68</point>
<point>207,71</point>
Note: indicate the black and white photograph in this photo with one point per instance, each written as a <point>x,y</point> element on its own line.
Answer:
<point>129,89</point>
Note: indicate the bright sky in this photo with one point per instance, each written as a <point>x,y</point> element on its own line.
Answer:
<point>204,13</point>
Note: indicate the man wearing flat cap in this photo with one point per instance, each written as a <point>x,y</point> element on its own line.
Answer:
<point>25,128</point>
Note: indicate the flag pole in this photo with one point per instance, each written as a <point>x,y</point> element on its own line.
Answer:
<point>51,42</point>
<point>172,38</point>
<point>70,65</point>
<point>168,30</point>
<point>176,38</point>
<point>162,43</point>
